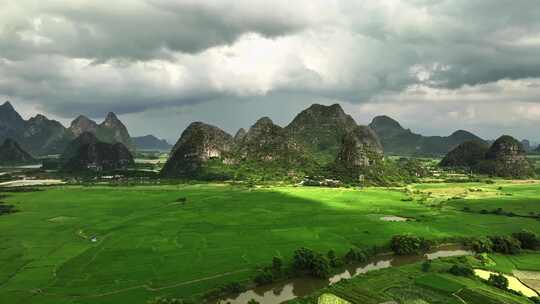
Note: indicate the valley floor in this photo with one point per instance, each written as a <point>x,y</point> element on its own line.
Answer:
<point>105,244</point>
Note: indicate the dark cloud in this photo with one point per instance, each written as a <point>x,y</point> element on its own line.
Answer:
<point>70,57</point>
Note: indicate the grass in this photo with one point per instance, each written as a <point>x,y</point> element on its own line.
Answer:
<point>149,245</point>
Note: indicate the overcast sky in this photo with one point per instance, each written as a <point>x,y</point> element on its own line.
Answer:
<point>434,65</point>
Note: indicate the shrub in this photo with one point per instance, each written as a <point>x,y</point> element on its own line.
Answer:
<point>161,300</point>
<point>311,262</point>
<point>334,261</point>
<point>505,244</point>
<point>481,245</point>
<point>461,270</point>
<point>409,244</point>
<point>356,255</point>
<point>253,301</point>
<point>498,280</point>
<point>528,239</point>
<point>264,277</point>
<point>277,263</point>
<point>233,287</point>
<point>426,265</point>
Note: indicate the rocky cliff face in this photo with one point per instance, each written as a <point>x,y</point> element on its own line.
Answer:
<point>12,154</point>
<point>506,158</point>
<point>199,143</point>
<point>45,136</point>
<point>360,148</point>
<point>83,124</point>
<point>400,141</point>
<point>86,152</point>
<point>266,141</point>
<point>111,130</point>
<point>467,154</point>
<point>320,129</point>
<point>240,134</point>
<point>11,123</point>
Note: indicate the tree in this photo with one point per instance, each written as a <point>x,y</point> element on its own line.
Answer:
<point>355,255</point>
<point>313,263</point>
<point>253,301</point>
<point>161,300</point>
<point>331,255</point>
<point>461,270</point>
<point>426,265</point>
<point>528,239</point>
<point>481,245</point>
<point>277,263</point>
<point>408,244</point>
<point>506,244</point>
<point>264,277</point>
<point>498,280</point>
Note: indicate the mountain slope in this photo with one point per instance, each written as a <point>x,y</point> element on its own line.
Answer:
<point>12,154</point>
<point>320,129</point>
<point>111,130</point>
<point>150,142</point>
<point>400,141</point>
<point>44,136</point>
<point>198,144</point>
<point>11,123</point>
<point>88,152</point>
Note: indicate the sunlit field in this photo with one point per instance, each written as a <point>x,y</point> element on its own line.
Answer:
<point>104,244</point>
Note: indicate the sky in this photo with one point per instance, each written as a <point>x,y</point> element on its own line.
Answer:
<point>434,65</point>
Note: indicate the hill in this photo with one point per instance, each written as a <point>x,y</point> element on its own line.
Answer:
<point>400,141</point>
<point>198,144</point>
<point>12,154</point>
<point>111,130</point>
<point>87,152</point>
<point>506,157</point>
<point>150,142</point>
<point>467,154</point>
<point>309,145</point>
<point>320,129</point>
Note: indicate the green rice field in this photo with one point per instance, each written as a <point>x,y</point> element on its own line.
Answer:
<point>105,244</point>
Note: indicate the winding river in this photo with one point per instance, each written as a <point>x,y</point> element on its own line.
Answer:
<point>299,287</point>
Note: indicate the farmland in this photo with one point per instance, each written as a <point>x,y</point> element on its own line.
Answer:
<point>105,244</point>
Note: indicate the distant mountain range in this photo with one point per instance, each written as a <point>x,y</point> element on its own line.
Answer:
<point>41,136</point>
<point>317,131</point>
<point>150,142</point>
<point>397,140</point>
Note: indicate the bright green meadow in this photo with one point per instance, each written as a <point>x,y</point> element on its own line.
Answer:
<point>148,243</point>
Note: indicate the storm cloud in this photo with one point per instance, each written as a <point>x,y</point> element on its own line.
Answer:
<point>132,57</point>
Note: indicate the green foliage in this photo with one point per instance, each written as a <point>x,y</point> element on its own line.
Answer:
<point>466,155</point>
<point>253,301</point>
<point>527,239</point>
<point>264,277</point>
<point>461,270</point>
<point>481,245</point>
<point>505,244</point>
<point>498,280</point>
<point>355,255</point>
<point>313,263</point>
<point>426,265</point>
<point>160,300</point>
<point>508,170</point>
<point>277,264</point>
<point>409,244</point>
